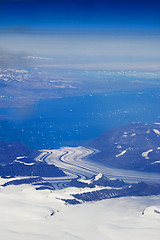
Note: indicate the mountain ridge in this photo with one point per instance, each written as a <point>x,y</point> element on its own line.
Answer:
<point>17,159</point>
<point>135,146</point>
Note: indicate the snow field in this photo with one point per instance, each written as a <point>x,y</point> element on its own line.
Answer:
<point>30,214</point>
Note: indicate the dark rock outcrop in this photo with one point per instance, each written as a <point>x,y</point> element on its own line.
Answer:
<point>16,159</point>
<point>97,180</point>
<point>39,182</point>
<point>10,151</point>
<point>37,169</point>
<point>137,189</point>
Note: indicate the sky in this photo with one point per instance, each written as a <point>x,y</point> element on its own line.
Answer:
<point>84,34</point>
<point>80,14</point>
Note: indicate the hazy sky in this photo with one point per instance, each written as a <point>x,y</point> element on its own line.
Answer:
<point>84,33</point>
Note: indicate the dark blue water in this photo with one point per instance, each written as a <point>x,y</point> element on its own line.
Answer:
<point>73,121</point>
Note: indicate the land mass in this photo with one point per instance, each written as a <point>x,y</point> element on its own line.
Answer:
<point>34,79</point>
<point>135,146</point>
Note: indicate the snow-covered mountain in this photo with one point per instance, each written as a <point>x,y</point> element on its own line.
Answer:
<point>135,146</point>
<point>31,207</point>
<point>9,151</point>
<point>96,188</point>
<point>30,214</point>
<point>96,180</point>
<point>100,187</point>
<point>39,182</point>
<point>16,159</point>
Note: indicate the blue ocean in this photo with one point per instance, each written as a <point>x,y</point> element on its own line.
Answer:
<point>73,121</point>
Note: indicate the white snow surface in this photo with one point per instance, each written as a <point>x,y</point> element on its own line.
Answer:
<point>133,134</point>
<point>98,176</point>
<point>124,135</point>
<point>119,146</point>
<point>145,154</point>
<point>122,153</point>
<point>23,162</point>
<point>156,131</point>
<point>88,181</point>
<point>26,214</point>
<point>21,157</point>
<point>156,162</point>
